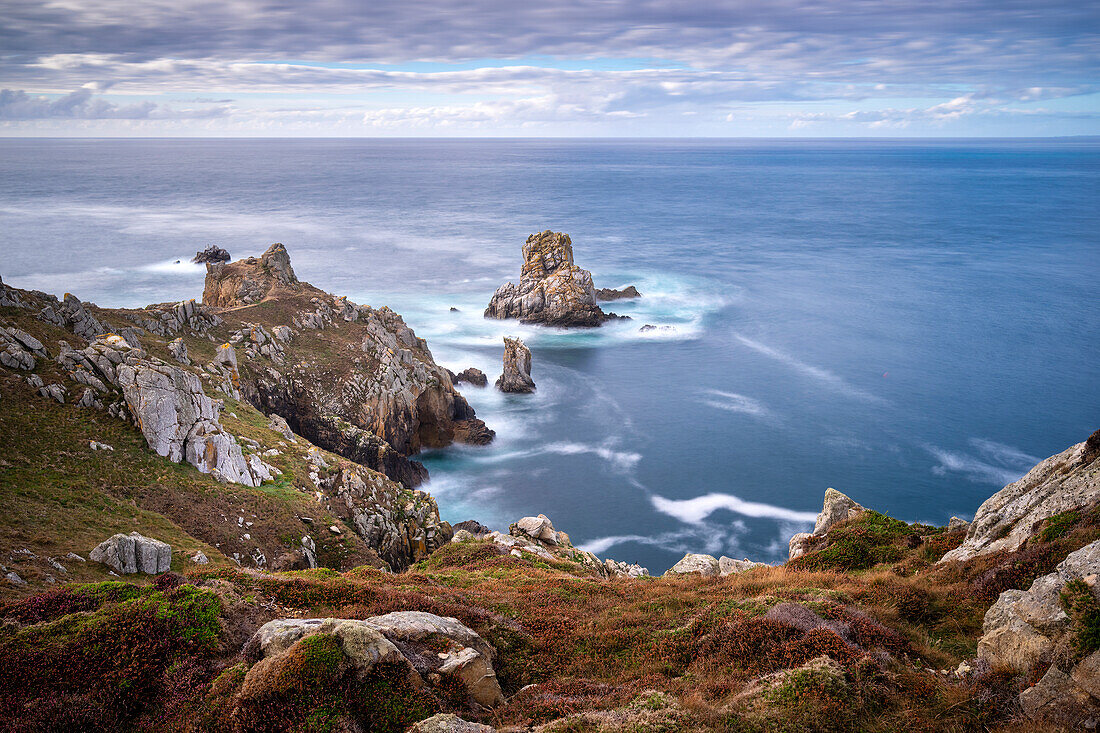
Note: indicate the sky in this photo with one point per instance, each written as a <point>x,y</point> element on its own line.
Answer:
<point>549,68</point>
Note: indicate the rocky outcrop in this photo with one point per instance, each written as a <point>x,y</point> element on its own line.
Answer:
<point>695,564</point>
<point>435,651</point>
<point>535,537</point>
<point>709,567</point>
<point>1061,483</point>
<point>71,314</point>
<point>132,553</point>
<point>402,526</point>
<point>169,319</point>
<point>1024,629</point>
<point>168,405</point>
<point>516,377</point>
<point>608,294</point>
<point>552,290</point>
<point>837,507</point>
<point>540,529</point>
<point>213,253</point>
<point>248,281</point>
<point>472,376</point>
<point>449,723</point>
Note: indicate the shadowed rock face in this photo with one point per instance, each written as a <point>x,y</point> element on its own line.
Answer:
<point>517,368</point>
<point>248,281</point>
<point>552,290</point>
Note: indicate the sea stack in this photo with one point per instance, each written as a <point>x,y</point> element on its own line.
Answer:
<point>517,368</point>
<point>552,291</point>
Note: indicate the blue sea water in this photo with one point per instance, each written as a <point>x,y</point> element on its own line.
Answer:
<point>915,323</point>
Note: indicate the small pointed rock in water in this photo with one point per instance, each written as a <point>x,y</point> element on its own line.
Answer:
<point>517,368</point>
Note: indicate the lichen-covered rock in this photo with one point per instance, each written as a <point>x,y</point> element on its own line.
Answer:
<point>552,290</point>
<point>168,319</point>
<point>430,647</point>
<point>178,350</point>
<point>1061,483</point>
<point>72,315</point>
<point>467,657</point>
<point>132,553</point>
<point>516,377</point>
<point>250,280</point>
<point>401,525</point>
<point>538,528</point>
<point>837,507</point>
<point>692,563</point>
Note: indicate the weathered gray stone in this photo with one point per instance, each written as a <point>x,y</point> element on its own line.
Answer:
<point>449,723</point>
<point>178,350</point>
<point>516,377</point>
<point>133,553</point>
<point>705,565</point>
<point>729,566</point>
<point>837,508</point>
<point>538,528</point>
<point>1061,483</point>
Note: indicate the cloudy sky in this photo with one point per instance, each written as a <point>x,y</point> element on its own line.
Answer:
<point>550,67</point>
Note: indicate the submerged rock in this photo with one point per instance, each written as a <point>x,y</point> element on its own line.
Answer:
<point>552,290</point>
<point>133,553</point>
<point>517,368</point>
<point>1061,483</point>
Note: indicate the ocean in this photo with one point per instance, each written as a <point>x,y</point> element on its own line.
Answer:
<point>914,323</point>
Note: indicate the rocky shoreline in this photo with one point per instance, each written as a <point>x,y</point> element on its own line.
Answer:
<point>239,474</point>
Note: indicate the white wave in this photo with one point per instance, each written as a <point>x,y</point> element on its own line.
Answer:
<point>694,511</point>
<point>824,376</point>
<point>733,402</point>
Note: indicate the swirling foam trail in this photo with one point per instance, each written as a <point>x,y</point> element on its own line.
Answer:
<point>822,375</point>
<point>694,511</point>
<point>733,402</point>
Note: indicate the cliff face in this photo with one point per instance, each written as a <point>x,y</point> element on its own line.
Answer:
<point>354,379</point>
<point>552,290</point>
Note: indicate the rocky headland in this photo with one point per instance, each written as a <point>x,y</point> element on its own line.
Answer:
<point>552,290</point>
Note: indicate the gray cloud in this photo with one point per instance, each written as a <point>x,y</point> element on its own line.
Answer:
<point>83,105</point>
<point>884,40</point>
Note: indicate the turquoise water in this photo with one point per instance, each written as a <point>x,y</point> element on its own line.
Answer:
<point>914,323</point>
